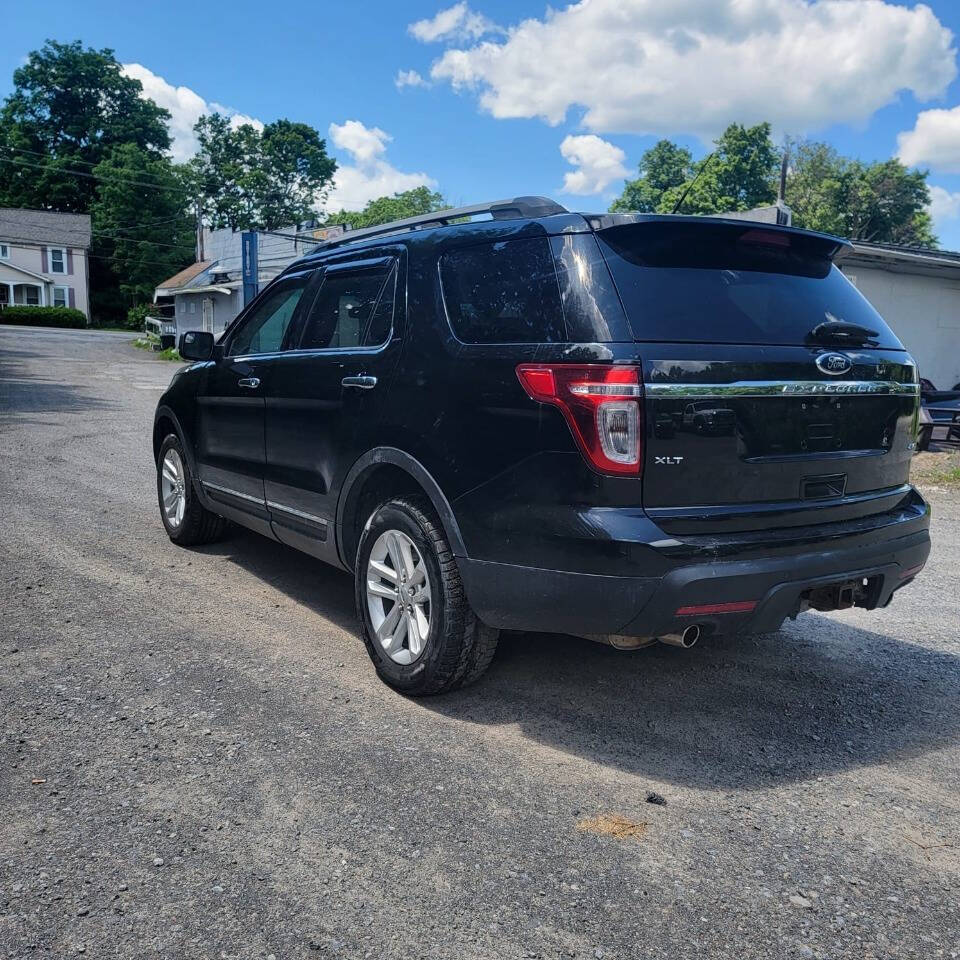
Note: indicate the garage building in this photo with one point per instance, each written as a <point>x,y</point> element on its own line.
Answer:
<point>917,292</point>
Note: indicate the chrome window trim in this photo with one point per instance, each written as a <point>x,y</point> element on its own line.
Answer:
<point>273,505</point>
<point>232,493</point>
<point>780,388</point>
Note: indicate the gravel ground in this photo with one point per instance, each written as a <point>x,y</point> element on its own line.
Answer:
<point>198,760</point>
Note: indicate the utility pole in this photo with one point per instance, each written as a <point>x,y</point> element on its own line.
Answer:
<point>784,214</point>
<point>199,233</point>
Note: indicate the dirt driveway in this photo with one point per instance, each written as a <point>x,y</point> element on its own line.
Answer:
<point>198,760</point>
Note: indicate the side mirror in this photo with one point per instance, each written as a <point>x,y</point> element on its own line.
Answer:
<point>196,345</point>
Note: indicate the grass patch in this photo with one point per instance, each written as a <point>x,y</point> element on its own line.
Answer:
<point>940,470</point>
<point>151,343</point>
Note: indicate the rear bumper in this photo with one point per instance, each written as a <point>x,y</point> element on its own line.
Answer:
<point>532,598</point>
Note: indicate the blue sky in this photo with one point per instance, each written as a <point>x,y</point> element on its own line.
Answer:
<point>507,98</point>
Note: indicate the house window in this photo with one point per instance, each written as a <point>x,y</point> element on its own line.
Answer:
<point>4,252</point>
<point>183,306</point>
<point>193,306</point>
<point>32,296</point>
<point>58,260</point>
<point>61,298</point>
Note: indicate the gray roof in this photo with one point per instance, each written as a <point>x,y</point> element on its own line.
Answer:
<point>45,226</point>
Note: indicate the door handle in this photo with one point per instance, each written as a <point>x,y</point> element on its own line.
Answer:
<point>250,382</point>
<point>364,383</point>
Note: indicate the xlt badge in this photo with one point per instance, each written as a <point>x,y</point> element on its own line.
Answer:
<point>667,461</point>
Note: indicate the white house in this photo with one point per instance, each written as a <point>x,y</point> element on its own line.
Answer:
<point>44,259</point>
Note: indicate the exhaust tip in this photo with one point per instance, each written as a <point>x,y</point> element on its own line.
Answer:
<point>686,639</point>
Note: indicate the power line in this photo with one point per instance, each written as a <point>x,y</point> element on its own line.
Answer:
<point>40,153</point>
<point>107,236</point>
<point>92,176</point>
<point>92,256</point>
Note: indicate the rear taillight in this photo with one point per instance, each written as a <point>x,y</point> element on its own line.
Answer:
<point>601,404</point>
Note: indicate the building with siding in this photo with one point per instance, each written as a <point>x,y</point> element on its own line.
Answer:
<point>208,294</point>
<point>44,259</point>
<point>917,291</point>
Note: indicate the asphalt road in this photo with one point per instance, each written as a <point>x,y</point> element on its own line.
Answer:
<point>199,761</point>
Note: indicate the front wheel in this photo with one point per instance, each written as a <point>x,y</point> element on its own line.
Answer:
<point>418,627</point>
<point>187,522</point>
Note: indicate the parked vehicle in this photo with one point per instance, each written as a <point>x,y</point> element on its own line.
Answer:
<point>930,394</point>
<point>709,416</point>
<point>939,423</point>
<point>476,418</point>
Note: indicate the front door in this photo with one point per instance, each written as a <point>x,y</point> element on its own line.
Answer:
<point>230,431</point>
<point>325,397</point>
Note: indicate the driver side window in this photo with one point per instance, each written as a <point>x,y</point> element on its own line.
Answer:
<point>263,331</point>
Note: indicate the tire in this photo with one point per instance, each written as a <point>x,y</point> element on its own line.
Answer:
<point>192,524</point>
<point>456,648</point>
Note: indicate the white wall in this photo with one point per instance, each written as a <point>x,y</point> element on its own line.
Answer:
<point>225,308</point>
<point>923,311</point>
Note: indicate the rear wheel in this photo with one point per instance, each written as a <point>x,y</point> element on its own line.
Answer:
<point>187,522</point>
<point>418,628</point>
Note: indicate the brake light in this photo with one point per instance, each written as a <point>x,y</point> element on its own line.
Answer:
<point>601,404</point>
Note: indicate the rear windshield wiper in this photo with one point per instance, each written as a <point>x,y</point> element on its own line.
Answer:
<point>839,331</point>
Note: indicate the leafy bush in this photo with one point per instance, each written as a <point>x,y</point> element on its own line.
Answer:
<point>136,315</point>
<point>43,317</point>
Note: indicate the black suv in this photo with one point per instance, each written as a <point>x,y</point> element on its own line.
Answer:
<point>490,416</point>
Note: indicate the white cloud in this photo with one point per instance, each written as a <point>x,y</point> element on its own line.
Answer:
<point>409,78</point>
<point>370,175</point>
<point>934,141</point>
<point>599,163</point>
<point>457,21</point>
<point>944,205</point>
<point>645,66</point>
<point>186,108</point>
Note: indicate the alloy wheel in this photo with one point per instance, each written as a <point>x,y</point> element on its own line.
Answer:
<point>173,489</point>
<point>398,596</point>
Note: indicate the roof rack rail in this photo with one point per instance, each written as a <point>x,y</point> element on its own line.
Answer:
<point>513,209</point>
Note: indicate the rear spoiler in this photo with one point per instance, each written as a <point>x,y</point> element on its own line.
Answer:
<point>824,243</point>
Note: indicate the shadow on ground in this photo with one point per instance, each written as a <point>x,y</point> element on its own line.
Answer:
<point>818,697</point>
<point>23,392</point>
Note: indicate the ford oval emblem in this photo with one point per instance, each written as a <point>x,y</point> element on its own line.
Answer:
<point>833,363</point>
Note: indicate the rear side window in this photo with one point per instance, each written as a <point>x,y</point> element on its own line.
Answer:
<point>353,308</point>
<point>505,292</point>
<point>716,283</point>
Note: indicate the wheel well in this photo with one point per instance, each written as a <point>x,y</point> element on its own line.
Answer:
<point>383,482</point>
<point>161,430</point>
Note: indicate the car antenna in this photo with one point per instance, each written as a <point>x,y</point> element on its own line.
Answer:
<point>683,196</point>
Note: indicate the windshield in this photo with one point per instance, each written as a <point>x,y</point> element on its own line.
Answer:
<point>721,283</point>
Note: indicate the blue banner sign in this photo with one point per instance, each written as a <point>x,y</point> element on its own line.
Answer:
<point>250,266</point>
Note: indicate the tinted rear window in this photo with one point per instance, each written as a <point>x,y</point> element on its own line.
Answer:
<point>505,292</point>
<point>720,284</point>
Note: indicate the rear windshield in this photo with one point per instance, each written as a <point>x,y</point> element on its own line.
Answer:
<point>731,284</point>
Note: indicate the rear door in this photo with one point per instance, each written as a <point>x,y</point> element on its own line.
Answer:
<point>325,397</point>
<point>774,393</point>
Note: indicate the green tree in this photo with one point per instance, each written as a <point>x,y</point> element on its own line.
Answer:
<point>143,234</point>
<point>252,179</point>
<point>739,174</point>
<point>664,166</point>
<point>883,201</point>
<point>69,108</point>
<point>409,203</point>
